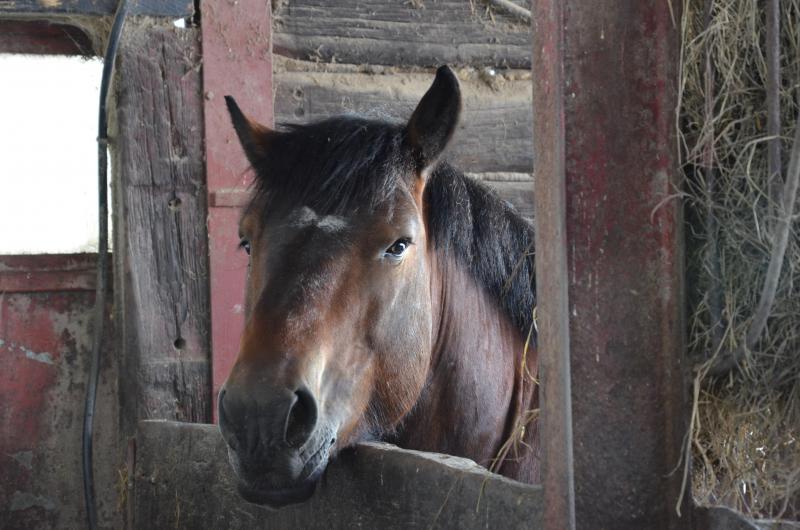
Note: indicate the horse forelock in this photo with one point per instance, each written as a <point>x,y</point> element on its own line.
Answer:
<point>338,166</point>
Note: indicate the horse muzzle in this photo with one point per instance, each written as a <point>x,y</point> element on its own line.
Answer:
<point>276,481</point>
<point>276,446</point>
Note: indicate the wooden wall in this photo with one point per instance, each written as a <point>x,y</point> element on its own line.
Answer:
<point>377,57</point>
<point>160,237</point>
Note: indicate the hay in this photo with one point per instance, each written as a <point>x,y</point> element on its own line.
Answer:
<point>746,430</point>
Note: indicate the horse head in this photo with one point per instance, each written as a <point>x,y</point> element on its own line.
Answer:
<point>339,318</point>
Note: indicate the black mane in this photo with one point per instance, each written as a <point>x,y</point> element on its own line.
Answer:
<point>488,236</point>
<point>352,164</point>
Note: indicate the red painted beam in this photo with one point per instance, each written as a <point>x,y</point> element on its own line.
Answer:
<point>39,37</point>
<point>237,61</point>
<point>609,262</point>
<point>42,273</point>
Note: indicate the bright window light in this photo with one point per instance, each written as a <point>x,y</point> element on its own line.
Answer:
<point>48,154</point>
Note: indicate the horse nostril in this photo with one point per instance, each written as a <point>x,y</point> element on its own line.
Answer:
<point>231,432</point>
<point>302,418</point>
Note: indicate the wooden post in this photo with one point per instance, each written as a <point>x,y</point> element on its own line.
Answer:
<point>609,262</point>
<point>160,240</point>
<point>237,61</point>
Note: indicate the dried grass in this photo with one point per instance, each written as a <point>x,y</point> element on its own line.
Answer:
<point>746,430</point>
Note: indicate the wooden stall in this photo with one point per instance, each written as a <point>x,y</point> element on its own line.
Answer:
<point>609,244</point>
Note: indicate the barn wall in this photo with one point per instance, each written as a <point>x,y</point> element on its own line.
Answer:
<point>46,307</point>
<point>378,57</point>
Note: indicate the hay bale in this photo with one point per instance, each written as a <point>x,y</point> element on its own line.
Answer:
<point>746,423</point>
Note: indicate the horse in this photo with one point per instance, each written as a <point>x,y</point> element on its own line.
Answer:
<point>389,297</point>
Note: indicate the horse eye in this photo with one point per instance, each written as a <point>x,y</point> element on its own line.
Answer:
<point>245,244</point>
<point>398,248</point>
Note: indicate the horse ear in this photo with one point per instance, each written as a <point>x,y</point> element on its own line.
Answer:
<point>434,121</point>
<point>253,136</point>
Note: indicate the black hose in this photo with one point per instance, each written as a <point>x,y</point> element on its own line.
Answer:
<point>102,265</point>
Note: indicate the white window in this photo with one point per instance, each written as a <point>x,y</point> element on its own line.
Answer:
<point>48,154</point>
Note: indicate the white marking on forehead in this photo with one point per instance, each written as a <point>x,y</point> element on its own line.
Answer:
<point>305,216</point>
<point>332,223</point>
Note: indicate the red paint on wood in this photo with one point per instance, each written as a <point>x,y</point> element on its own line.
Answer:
<point>44,357</point>
<point>42,38</point>
<point>48,272</point>
<point>228,198</point>
<point>237,61</point>
<point>609,261</point>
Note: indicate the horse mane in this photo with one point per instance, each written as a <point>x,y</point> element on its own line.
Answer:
<point>352,164</point>
<point>486,235</point>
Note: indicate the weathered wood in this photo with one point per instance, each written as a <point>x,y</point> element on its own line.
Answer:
<point>182,479</point>
<point>609,264</point>
<point>46,320</point>
<point>38,273</point>
<point>166,8</point>
<point>237,58</point>
<point>40,37</point>
<point>495,132</point>
<point>160,244</point>
<point>392,32</point>
<point>518,193</point>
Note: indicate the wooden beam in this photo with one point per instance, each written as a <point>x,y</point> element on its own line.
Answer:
<point>495,132</point>
<point>610,263</point>
<point>40,37</point>
<point>397,33</point>
<point>182,479</point>
<point>38,273</point>
<point>237,61</point>
<point>160,238</point>
<point>103,8</point>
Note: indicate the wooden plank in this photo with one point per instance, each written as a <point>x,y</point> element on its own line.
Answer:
<point>391,32</point>
<point>182,479</point>
<point>37,273</point>
<point>161,279</point>
<point>43,38</point>
<point>45,353</point>
<point>518,193</point>
<point>495,132</point>
<point>237,60</point>
<point>165,8</point>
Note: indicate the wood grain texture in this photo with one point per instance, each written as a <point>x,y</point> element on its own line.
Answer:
<point>519,193</point>
<point>170,8</point>
<point>181,479</point>
<point>392,32</point>
<point>162,303</point>
<point>40,37</point>
<point>495,133</point>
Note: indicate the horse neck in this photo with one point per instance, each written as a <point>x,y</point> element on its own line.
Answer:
<point>473,395</point>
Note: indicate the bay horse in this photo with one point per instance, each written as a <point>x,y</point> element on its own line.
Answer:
<point>389,297</point>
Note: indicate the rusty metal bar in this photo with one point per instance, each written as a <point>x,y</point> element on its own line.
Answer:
<point>551,264</point>
<point>609,262</point>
